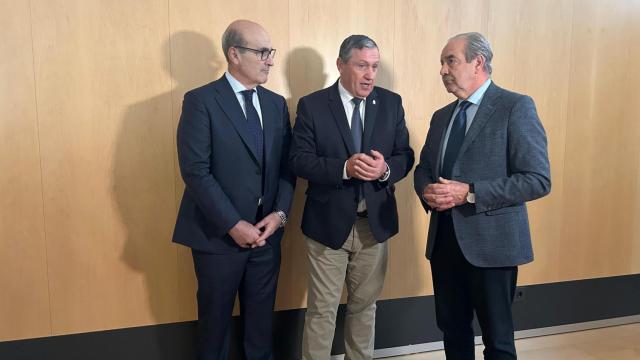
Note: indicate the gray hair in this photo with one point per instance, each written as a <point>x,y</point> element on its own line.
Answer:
<point>355,42</point>
<point>477,45</point>
<point>232,37</point>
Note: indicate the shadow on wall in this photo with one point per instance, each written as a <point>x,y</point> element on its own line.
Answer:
<point>147,186</point>
<point>305,75</point>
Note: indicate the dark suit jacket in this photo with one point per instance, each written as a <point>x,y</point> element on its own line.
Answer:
<point>223,179</point>
<point>322,143</point>
<point>504,154</point>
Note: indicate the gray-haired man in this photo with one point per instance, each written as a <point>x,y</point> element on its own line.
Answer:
<point>351,143</point>
<point>484,157</point>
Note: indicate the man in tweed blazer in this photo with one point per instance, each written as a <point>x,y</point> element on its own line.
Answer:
<point>485,156</point>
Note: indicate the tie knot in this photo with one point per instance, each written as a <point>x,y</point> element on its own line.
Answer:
<point>356,101</point>
<point>248,95</point>
<point>464,105</point>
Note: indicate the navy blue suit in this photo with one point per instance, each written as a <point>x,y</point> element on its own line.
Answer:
<point>322,143</point>
<point>224,181</point>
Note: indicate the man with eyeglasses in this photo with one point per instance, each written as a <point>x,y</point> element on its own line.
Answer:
<point>351,143</point>
<point>233,142</point>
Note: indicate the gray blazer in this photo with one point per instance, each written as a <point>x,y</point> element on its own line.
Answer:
<point>504,154</point>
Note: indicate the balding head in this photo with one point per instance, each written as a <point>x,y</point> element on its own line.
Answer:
<point>247,48</point>
<point>239,32</point>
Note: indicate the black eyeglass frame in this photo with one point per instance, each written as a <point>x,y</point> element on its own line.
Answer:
<point>264,53</point>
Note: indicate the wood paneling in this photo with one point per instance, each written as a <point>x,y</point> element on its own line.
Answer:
<point>107,162</point>
<point>541,31</point>
<point>24,299</point>
<point>92,94</point>
<point>602,152</point>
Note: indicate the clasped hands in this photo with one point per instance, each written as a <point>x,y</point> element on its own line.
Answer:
<point>366,167</point>
<point>252,236</point>
<point>445,194</point>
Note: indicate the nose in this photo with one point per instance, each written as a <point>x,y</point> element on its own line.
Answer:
<point>370,74</point>
<point>444,70</point>
<point>269,61</point>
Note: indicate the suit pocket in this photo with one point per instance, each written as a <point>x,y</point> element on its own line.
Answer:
<point>505,210</point>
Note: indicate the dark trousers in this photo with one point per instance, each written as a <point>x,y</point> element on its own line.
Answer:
<point>460,288</point>
<point>253,275</point>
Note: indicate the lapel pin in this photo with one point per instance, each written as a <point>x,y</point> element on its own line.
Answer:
<point>374,102</point>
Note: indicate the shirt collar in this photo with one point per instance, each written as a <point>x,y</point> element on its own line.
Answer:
<point>345,95</point>
<point>235,84</point>
<point>477,95</point>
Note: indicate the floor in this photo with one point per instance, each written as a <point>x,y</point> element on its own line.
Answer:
<point>611,343</point>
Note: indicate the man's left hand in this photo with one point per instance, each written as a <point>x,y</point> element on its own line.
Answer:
<point>268,226</point>
<point>370,168</point>
<point>454,192</point>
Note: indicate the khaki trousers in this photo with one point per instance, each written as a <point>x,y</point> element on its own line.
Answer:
<point>362,263</point>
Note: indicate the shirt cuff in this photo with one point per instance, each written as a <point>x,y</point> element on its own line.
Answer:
<point>344,171</point>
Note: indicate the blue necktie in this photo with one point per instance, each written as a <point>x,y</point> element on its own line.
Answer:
<point>253,124</point>
<point>356,125</point>
<point>456,137</point>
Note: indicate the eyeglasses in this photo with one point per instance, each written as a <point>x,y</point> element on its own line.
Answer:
<point>264,54</point>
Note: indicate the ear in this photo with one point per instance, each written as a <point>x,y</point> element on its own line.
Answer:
<point>340,65</point>
<point>232,54</point>
<point>479,63</point>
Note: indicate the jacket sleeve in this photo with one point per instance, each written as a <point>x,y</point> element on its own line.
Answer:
<point>529,175</point>
<point>304,159</point>
<point>401,160</point>
<point>423,174</point>
<point>287,181</point>
<point>194,139</point>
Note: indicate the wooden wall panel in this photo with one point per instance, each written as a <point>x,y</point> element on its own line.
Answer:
<point>24,299</point>
<point>107,162</point>
<point>532,46</point>
<point>602,151</point>
<point>93,92</point>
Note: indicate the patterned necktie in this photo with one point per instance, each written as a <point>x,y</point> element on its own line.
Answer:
<point>253,124</point>
<point>356,125</point>
<point>456,137</point>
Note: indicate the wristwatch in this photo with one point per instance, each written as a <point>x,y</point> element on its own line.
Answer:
<point>471,195</point>
<point>283,217</point>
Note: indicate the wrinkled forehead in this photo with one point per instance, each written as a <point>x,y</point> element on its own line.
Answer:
<point>368,55</point>
<point>454,48</point>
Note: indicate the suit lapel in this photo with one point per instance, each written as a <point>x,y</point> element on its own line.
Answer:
<point>440,131</point>
<point>370,115</point>
<point>229,104</point>
<point>337,109</point>
<point>486,109</point>
<point>269,120</point>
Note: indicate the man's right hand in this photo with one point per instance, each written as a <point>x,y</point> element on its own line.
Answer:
<point>244,234</point>
<point>358,167</point>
